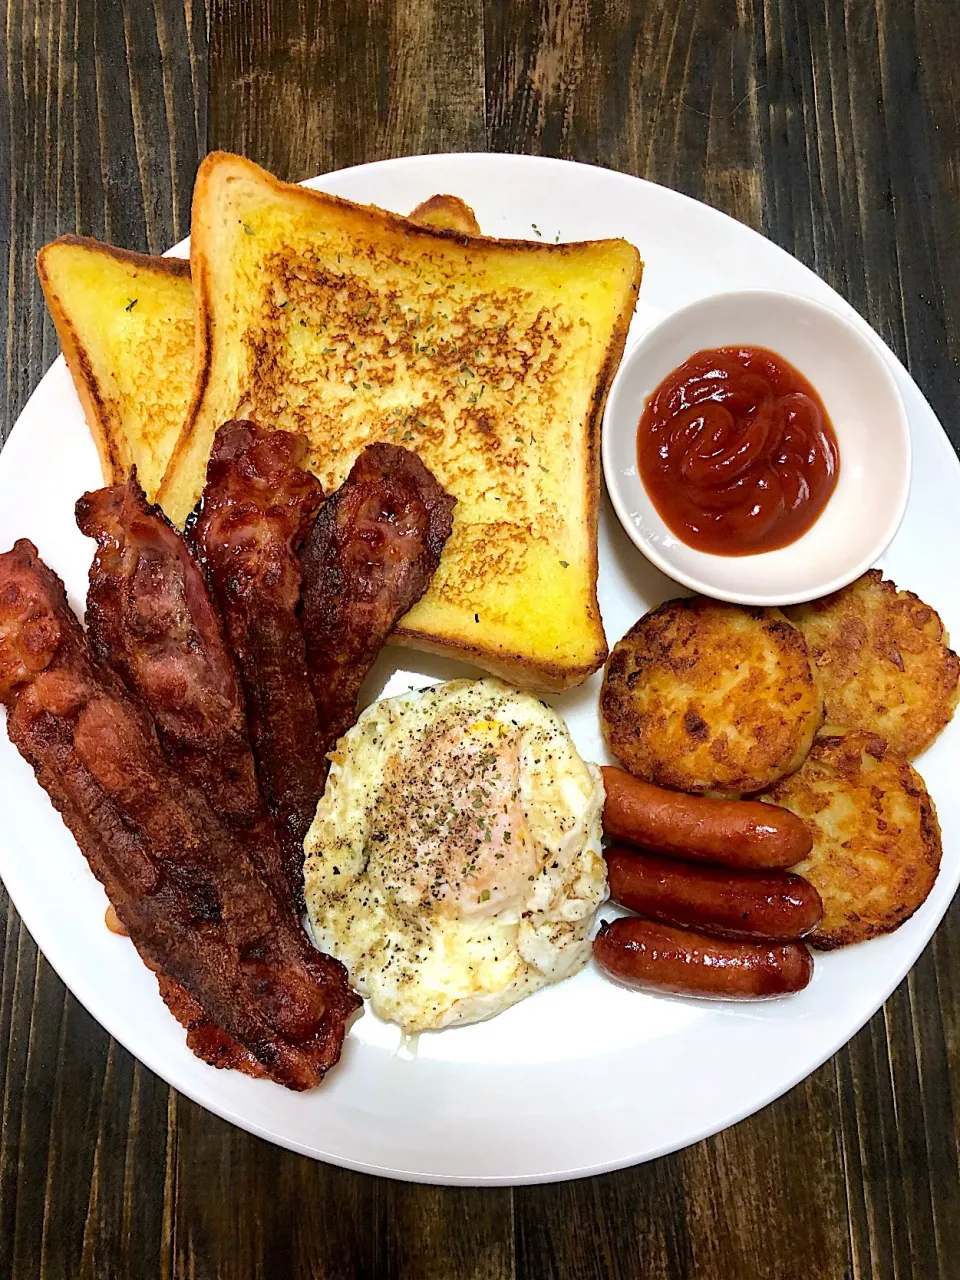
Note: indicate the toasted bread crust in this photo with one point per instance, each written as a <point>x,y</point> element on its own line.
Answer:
<point>883,662</point>
<point>177,267</point>
<point>876,840</point>
<point>107,431</point>
<point>702,696</point>
<point>177,492</point>
<point>449,213</point>
<point>514,668</point>
<point>78,362</point>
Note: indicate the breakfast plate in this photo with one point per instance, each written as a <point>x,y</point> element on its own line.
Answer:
<point>585,1076</point>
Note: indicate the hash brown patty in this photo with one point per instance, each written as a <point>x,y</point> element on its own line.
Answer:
<point>703,696</point>
<point>883,662</point>
<point>876,839</point>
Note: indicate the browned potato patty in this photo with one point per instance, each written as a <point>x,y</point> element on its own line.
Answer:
<point>876,840</point>
<point>704,696</point>
<point>883,662</point>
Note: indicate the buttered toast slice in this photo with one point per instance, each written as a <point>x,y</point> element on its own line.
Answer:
<point>125,322</point>
<point>489,358</point>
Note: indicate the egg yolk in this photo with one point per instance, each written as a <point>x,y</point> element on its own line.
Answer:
<point>448,836</point>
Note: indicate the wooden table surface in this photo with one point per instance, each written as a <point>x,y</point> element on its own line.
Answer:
<point>832,126</point>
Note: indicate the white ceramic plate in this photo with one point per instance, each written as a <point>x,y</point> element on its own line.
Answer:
<point>584,1077</point>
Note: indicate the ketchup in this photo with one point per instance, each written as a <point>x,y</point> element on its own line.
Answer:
<point>736,451</point>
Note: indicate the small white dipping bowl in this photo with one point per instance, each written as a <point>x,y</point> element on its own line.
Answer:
<point>847,367</point>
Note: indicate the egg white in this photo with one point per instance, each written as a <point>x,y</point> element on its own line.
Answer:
<point>454,861</point>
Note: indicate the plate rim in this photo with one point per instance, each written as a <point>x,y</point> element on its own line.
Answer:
<point>226,1112</point>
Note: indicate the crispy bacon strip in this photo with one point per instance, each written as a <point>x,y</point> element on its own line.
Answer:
<point>368,559</point>
<point>204,1038</point>
<point>184,888</point>
<point>150,617</point>
<point>257,505</point>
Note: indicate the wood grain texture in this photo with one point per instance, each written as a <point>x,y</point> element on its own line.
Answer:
<point>249,1209</point>
<point>667,91</point>
<point>102,117</point>
<point>305,86</point>
<point>834,128</point>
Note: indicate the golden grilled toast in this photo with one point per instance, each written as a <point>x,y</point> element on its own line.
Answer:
<point>125,322</point>
<point>491,359</point>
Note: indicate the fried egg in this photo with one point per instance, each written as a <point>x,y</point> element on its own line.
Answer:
<point>454,862</point>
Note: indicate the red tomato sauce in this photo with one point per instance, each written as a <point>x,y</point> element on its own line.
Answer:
<point>736,451</point>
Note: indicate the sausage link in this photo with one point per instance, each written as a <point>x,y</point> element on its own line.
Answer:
<point>735,833</point>
<point>767,906</point>
<point>649,955</point>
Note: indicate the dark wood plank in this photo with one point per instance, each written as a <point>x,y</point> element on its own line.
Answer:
<point>874,154</point>
<point>789,1157</point>
<point>664,90</point>
<point>83,1141</point>
<point>734,1206</point>
<point>921,90</point>
<point>305,86</point>
<point>435,1233</point>
<point>252,1211</point>
<point>101,126</point>
<point>613,1227</point>
<point>300,1217</point>
<point>102,133</point>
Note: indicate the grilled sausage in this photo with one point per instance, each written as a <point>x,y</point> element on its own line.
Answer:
<point>735,833</point>
<point>646,954</point>
<point>766,906</point>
